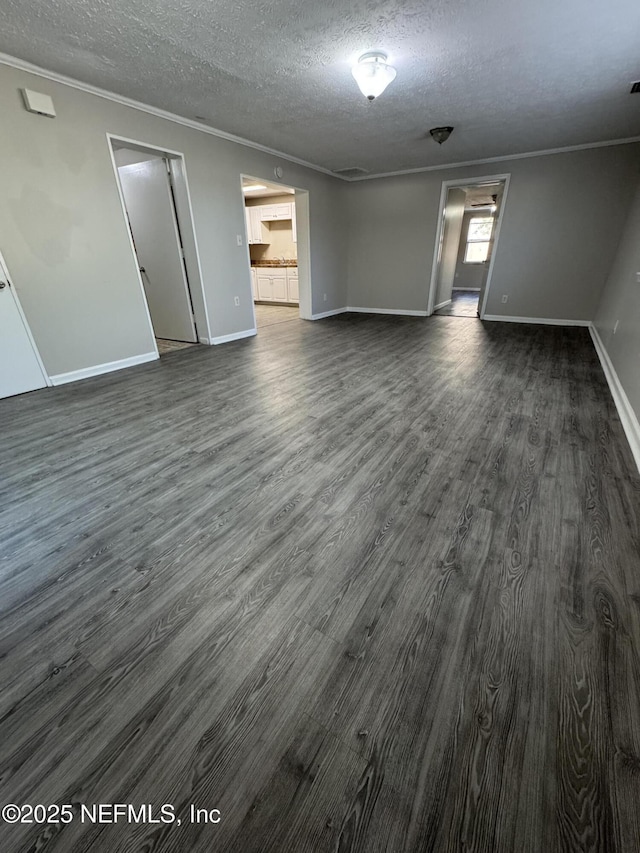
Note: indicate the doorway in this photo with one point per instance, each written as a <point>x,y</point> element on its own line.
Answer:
<point>280,283</point>
<point>468,228</point>
<point>156,205</point>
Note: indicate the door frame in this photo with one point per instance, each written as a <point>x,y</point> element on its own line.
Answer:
<point>185,223</point>
<point>4,272</point>
<point>301,198</point>
<point>444,191</point>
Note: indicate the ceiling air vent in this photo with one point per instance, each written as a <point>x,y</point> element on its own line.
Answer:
<point>351,172</point>
<point>635,88</point>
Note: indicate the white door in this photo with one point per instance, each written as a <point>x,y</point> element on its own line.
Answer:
<point>20,368</point>
<point>149,203</point>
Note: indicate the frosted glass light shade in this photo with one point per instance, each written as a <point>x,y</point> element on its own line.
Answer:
<point>373,74</point>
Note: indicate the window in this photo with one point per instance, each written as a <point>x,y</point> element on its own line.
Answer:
<point>478,236</point>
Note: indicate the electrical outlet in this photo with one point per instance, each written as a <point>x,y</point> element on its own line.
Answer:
<point>638,277</point>
<point>239,239</point>
<point>504,297</point>
<point>325,297</point>
<point>615,328</point>
<point>236,300</point>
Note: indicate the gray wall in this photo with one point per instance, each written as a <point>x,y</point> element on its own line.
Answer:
<point>620,301</point>
<point>65,241</point>
<point>468,276</point>
<point>453,216</point>
<point>562,220</point>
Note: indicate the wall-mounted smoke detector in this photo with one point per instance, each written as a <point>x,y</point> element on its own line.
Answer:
<point>36,102</point>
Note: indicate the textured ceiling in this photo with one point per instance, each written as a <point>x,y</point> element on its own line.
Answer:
<point>512,77</point>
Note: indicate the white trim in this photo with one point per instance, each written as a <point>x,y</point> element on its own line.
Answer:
<point>205,341</point>
<point>125,220</point>
<point>541,321</point>
<point>442,305</point>
<point>494,248</point>
<point>626,413</point>
<point>331,313</point>
<point>467,289</point>
<point>183,169</point>
<point>98,369</point>
<point>234,336</point>
<point>175,156</point>
<point>30,68</point>
<point>444,191</point>
<point>45,376</point>
<point>505,158</point>
<point>403,312</point>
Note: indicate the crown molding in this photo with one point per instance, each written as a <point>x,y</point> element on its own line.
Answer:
<point>30,68</point>
<point>22,65</point>
<point>502,159</point>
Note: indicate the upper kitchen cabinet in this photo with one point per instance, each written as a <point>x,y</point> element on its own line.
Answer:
<point>257,233</point>
<point>269,212</point>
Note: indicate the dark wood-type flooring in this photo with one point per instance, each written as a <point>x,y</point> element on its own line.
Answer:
<point>464,303</point>
<point>365,584</point>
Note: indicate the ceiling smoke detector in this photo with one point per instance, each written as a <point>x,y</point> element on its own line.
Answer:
<point>441,134</point>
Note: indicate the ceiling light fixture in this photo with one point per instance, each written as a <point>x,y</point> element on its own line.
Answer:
<point>251,187</point>
<point>373,74</point>
<point>441,134</point>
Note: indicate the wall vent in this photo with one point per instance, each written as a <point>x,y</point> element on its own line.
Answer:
<point>635,88</point>
<point>351,172</point>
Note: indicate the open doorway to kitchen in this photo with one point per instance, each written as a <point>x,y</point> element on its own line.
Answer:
<point>468,229</point>
<point>157,208</point>
<point>279,281</point>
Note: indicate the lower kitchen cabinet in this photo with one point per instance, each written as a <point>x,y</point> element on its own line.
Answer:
<point>292,285</point>
<point>276,285</point>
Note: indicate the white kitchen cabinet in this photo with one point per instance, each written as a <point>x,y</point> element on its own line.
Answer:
<point>276,285</point>
<point>294,227</point>
<point>256,231</point>
<point>271,286</point>
<point>293,294</point>
<point>263,286</point>
<point>269,212</point>
<point>279,286</point>
<point>254,283</point>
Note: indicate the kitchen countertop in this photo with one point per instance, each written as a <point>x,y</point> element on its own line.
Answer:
<point>270,264</point>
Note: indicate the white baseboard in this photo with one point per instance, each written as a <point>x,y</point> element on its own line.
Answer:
<point>541,321</point>
<point>204,341</point>
<point>329,313</point>
<point>441,304</point>
<point>98,369</point>
<point>627,415</point>
<point>399,311</point>
<point>467,289</point>
<point>234,336</point>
